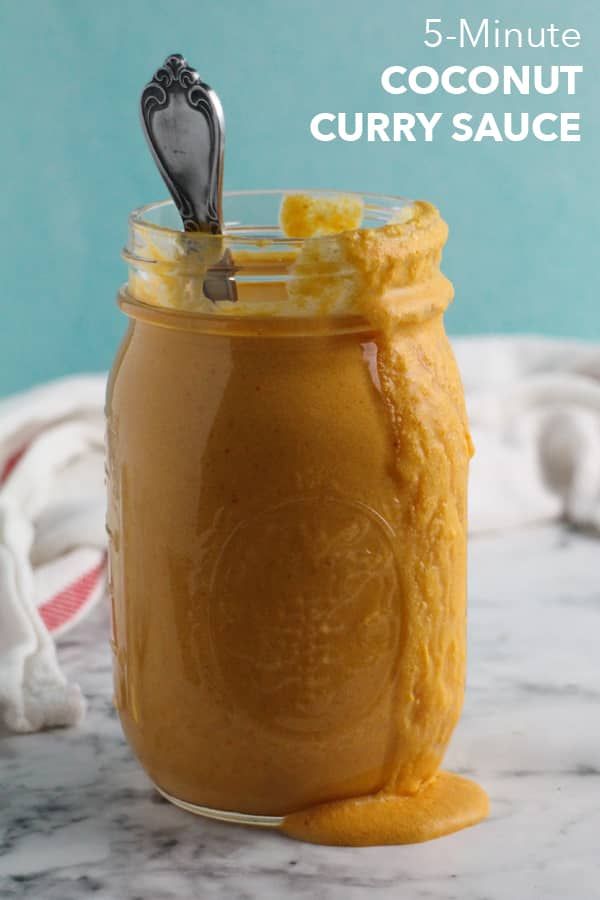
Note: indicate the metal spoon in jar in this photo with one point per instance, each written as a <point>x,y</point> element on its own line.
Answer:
<point>183,123</point>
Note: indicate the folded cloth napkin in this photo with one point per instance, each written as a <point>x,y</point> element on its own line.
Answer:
<point>534,407</point>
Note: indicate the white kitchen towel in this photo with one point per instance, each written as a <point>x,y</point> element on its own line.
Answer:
<point>52,542</point>
<point>534,407</point>
<point>534,411</point>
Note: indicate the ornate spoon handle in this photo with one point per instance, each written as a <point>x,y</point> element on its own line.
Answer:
<point>183,123</point>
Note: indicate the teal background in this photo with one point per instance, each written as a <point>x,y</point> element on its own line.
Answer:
<point>524,217</point>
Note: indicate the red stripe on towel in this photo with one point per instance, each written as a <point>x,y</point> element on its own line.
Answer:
<point>64,605</point>
<point>10,463</point>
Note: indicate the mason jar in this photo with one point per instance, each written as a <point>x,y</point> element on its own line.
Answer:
<point>287,472</point>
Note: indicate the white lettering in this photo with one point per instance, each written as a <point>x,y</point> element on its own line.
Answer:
<point>429,124</point>
<point>513,79</point>
<point>571,72</point>
<point>494,34</point>
<point>386,80</point>
<point>463,131</point>
<point>490,73</point>
<point>447,83</point>
<point>536,127</point>
<point>432,80</point>
<point>517,32</point>
<point>467,34</point>
<point>343,132</point>
<point>538,80</point>
<point>377,125</point>
<point>403,126</point>
<point>488,128</point>
<point>315,130</point>
<point>570,127</point>
<point>571,37</point>
<point>509,131</point>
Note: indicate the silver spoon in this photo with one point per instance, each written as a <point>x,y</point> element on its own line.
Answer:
<point>183,123</point>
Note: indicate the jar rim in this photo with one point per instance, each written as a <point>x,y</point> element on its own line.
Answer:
<point>379,210</point>
<point>268,274</point>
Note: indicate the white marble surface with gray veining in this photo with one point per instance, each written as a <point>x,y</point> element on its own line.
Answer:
<point>79,819</point>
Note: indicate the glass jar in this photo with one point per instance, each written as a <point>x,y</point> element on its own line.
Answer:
<point>287,512</point>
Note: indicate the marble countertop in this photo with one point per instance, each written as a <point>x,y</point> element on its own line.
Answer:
<point>78,817</point>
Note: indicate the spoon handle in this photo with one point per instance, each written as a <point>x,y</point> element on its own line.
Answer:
<point>183,122</point>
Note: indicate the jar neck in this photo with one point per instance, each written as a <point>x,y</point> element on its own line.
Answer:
<point>367,275</point>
